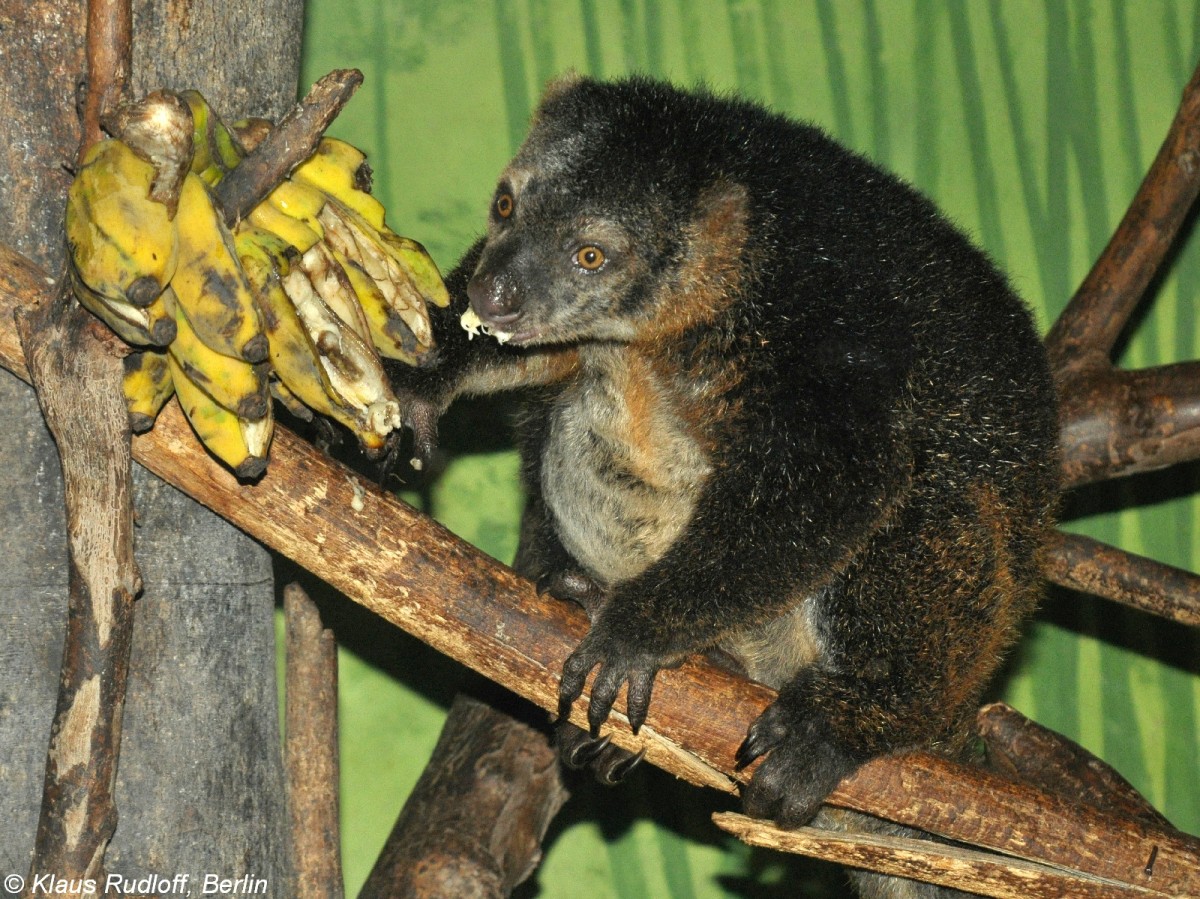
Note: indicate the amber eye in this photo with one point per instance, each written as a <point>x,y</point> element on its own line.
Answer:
<point>589,258</point>
<point>504,205</point>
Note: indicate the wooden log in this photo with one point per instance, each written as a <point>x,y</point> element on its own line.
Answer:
<point>473,824</point>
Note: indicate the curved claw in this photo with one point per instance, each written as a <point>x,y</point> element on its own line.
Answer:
<point>615,773</point>
<point>641,685</point>
<point>585,752</point>
<point>752,748</point>
<point>604,694</point>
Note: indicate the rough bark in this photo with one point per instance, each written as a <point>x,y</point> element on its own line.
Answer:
<point>200,785</point>
<point>312,749</point>
<point>474,823</point>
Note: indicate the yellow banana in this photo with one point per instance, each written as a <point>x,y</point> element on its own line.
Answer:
<point>294,356</point>
<point>240,443</point>
<point>298,201</point>
<point>289,400</point>
<point>209,283</point>
<point>339,169</point>
<point>215,148</point>
<point>352,236</point>
<point>150,325</point>
<point>299,234</point>
<point>147,387</point>
<point>233,383</point>
<point>416,261</point>
<point>122,242</point>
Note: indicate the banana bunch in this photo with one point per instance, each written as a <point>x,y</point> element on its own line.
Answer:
<point>299,301</point>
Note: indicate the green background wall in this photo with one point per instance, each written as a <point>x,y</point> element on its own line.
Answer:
<point>1030,123</point>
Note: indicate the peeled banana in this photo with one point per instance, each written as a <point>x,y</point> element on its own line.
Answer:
<point>299,302</point>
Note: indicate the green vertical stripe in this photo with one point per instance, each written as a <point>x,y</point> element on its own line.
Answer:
<point>835,71</point>
<point>745,48</point>
<point>541,38</point>
<point>879,93</point>
<point>927,134</point>
<point>512,72</point>
<point>975,118</point>
<point>1014,103</point>
<point>591,38</point>
<point>777,50</point>
<point>1056,272</point>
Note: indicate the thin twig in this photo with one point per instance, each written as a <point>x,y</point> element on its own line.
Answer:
<point>109,55</point>
<point>1081,563</point>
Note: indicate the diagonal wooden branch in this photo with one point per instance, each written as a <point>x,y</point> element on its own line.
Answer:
<point>964,869</point>
<point>474,823</point>
<point>1087,330</point>
<point>1116,423</point>
<point>287,145</point>
<point>396,562</point>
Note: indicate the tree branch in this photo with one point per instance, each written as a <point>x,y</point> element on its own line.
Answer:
<point>964,869</point>
<point>1117,423</point>
<point>311,748</point>
<point>1089,326</point>
<point>1081,563</point>
<point>474,823</point>
<point>78,383</point>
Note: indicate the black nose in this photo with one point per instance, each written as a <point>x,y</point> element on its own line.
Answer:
<point>494,297</point>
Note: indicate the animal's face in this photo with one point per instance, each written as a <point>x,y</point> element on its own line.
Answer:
<point>578,238</point>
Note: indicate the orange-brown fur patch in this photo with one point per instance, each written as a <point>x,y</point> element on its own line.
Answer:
<point>713,270</point>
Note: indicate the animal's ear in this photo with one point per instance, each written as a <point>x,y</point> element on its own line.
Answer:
<point>560,84</point>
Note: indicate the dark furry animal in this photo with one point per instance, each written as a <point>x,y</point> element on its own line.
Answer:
<point>780,408</point>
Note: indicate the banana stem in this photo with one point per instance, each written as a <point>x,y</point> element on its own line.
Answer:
<point>287,145</point>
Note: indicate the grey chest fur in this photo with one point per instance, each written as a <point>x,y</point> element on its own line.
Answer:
<point>620,473</point>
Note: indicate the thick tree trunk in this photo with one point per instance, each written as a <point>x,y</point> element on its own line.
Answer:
<point>200,784</point>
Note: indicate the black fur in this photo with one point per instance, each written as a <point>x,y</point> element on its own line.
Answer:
<point>794,415</point>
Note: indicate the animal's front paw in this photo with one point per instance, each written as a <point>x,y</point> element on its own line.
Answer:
<point>803,765</point>
<point>620,662</point>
